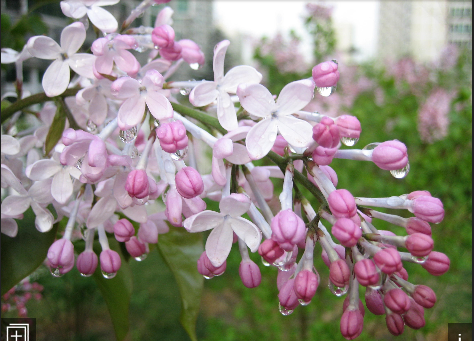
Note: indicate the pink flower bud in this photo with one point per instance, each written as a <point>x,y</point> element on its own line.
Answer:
<point>206,268</point>
<point>347,302</point>
<point>326,133</point>
<point>191,53</point>
<point>390,155</point>
<point>174,207</point>
<point>163,36</point>
<point>123,230</point>
<point>402,273</point>
<point>287,295</point>
<point>366,272</point>
<point>417,225</point>
<point>325,74</point>
<point>397,301</point>
<point>341,251</point>
<point>189,182</point>
<point>415,194</point>
<point>110,261</point>
<point>148,232</point>
<point>280,145</point>
<point>395,324</point>
<point>428,208</point>
<point>339,273</point>
<point>306,284</point>
<point>87,263</point>
<point>135,247</point>
<point>284,276</point>
<point>270,250</point>
<point>415,316</point>
<point>388,260</point>
<point>352,324</point>
<point>288,229</point>
<point>346,231</point>
<point>374,302</point>
<point>349,126</point>
<point>61,255</point>
<point>172,52</point>
<point>419,244</point>
<point>331,174</point>
<point>172,136</point>
<point>137,184</point>
<point>437,263</point>
<point>323,156</point>
<point>424,296</point>
<point>342,204</point>
<point>250,274</point>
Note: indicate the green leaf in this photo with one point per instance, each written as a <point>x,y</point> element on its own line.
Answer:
<point>26,252</point>
<point>116,291</point>
<point>56,130</point>
<point>181,250</point>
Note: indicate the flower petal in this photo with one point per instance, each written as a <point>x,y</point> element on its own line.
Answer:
<point>159,106</point>
<point>10,145</point>
<point>295,96</point>
<point>226,113</point>
<point>44,219</point>
<point>136,213</point>
<point>218,171</point>
<point>203,221</point>
<point>233,207</point>
<point>40,192</point>
<point>101,211</point>
<point>131,112</point>
<point>239,75</point>
<point>56,78</point>
<point>256,99</point>
<point>296,132</point>
<point>240,155</point>
<point>261,138</point>
<point>98,109</point>
<point>121,195</point>
<point>72,38</point>
<point>61,188</point>
<point>102,19</point>
<point>42,169</point>
<point>247,231</point>
<point>43,47</point>
<point>9,227</point>
<point>219,243</point>
<point>218,60</point>
<point>81,63</point>
<point>203,94</point>
<point>15,204</point>
<point>73,9</point>
<point>9,179</point>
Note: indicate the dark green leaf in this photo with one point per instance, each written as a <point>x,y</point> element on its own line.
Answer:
<point>181,250</point>
<point>24,253</point>
<point>56,130</point>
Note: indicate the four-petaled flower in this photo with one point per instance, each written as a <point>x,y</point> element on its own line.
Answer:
<point>101,18</point>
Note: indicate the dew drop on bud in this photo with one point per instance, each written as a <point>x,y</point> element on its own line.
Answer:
<point>337,290</point>
<point>180,154</point>
<point>85,275</point>
<point>419,260</point>
<point>206,277</point>
<point>401,173</point>
<point>195,66</point>
<point>55,272</point>
<point>326,90</point>
<point>185,91</point>
<point>91,127</point>
<point>79,163</point>
<point>349,141</point>
<point>134,153</point>
<point>303,303</point>
<point>283,310</point>
<point>371,146</point>
<point>108,275</point>
<point>129,135</point>
<point>264,262</point>
<point>141,258</point>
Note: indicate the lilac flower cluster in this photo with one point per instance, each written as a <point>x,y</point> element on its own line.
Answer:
<point>128,143</point>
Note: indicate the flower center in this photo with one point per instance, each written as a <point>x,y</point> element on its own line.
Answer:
<point>64,56</point>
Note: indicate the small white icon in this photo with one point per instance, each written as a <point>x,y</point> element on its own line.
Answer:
<point>18,332</point>
<point>459,337</point>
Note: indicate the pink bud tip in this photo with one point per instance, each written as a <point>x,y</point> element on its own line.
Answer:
<point>270,250</point>
<point>349,126</point>
<point>339,273</point>
<point>416,194</point>
<point>172,136</point>
<point>388,260</point>
<point>419,244</point>
<point>163,36</point>
<point>347,302</point>
<point>123,230</point>
<point>61,255</point>
<point>374,302</point>
<point>397,301</point>
<point>110,261</point>
<point>428,208</point>
<point>325,74</point>
<point>135,247</point>
<point>137,184</point>
<point>417,225</point>
<point>206,268</point>
<point>395,324</point>
<point>191,53</point>
<point>172,52</point>
<point>288,229</point>
<point>415,316</point>
<point>341,251</point>
<point>287,295</point>
<point>306,284</point>
<point>87,262</point>
<point>323,156</point>
<point>189,182</point>
<point>366,272</point>
<point>346,231</point>
<point>280,145</point>
<point>342,204</point>
<point>390,155</point>
<point>437,263</point>
<point>402,273</point>
<point>250,274</point>
<point>352,324</point>
<point>326,133</point>
<point>424,296</point>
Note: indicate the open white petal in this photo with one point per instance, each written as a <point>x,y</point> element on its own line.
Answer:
<point>219,243</point>
<point>159,106</point>
<point>136,213</point>
<point>203,94</point>
<point>73,9</point>
<point>203,221</point>
<point>43,47</point>
<point>9,227</point>
<point>240,155</point>
<point>295,96</point>
<point>15,204</point>
<point>62,188</point>
<point>296,132</point>
<point>56,78</point>
<point>101,211</point>
<point>44,219</point>
<point>226,112</point>
<point>131,112</point>
<point>81,63</point>
<point>261,138</point>
<point>247,231</point>
<point>239,75</point>
<point>10,145</point>
<point>233,207</point>
<point>40,192</point>
<point>42,169</point>
<point>72,38</point>
<point>102,19</point>
<point>10,180</point>
<point>256,99</point>
<point>218,60</point>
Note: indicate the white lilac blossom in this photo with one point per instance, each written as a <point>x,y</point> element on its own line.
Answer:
<point>101,18</point>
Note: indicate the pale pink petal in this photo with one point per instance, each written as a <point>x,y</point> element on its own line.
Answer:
<point>102,19</point>
<point>226,113</point>
<point>15,204</point>
<point>9,56</point>
<point>10,180</point>
<point>125,61</point>
<point>233,207</point>
<point>56,78</point>
<point>44,219</point>
<point>73,9</point>
<point>296,132</point>
<point>26,143</point>
<point>203,221</point>
<point>219,243</point>
<point>125,87</point>
<point>102,210</point>
<point>159,106</point>
<point>9,227</point>
<point>164,17</point>
<point>105,2</point>
<point>295,96</point>
<point>61,188</point>
<point>193,206</point>
<point>238,134</point>
<point>10,145</point>
<point>240,155</point>
<point>218,61</point>
<point>136,213</point>
<point>131,112</point>
<point>43,47</point>
<point>81,63</point>
<point>261,138</point>
<point>121,195</point>
<point>98,109</point>
<point>160,65</point>
<point>104,64</point>
<point>72,38</point>
<point>40,192</point>
<point>256,99</point>
<point>247,231</point>
<point>42,169</point>
<point>218,171</point>
<point>203,94</point>
<point>238,75</point>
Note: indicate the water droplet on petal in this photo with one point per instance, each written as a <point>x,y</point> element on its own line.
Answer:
<point>180,154</point>
<point>185,91</point>
<point>134,153</point>
<point>303,303</point>
<point>129,135</point>
<point>283,310</point>
<point>55,272</point>
<point>349,141</point>
<point>108,275</point>
<point>141,258</point>
<point>371,146</point>
<point>85,275</point>
<point>195,66</point>
<point>91,127</point>
<point>337,290</point>
<point>207,277</point>
<point>419,260</point>
<point>156,123</point>
<point>326,90</point>
<point>401,173</point>
<point>265,263</point>
<point>79,163</point>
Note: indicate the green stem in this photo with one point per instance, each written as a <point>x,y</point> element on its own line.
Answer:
<point>200,116</point>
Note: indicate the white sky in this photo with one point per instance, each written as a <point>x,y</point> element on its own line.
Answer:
<point>259,18</point>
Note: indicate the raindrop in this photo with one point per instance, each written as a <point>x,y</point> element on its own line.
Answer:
<point>401,173</point>
<point>207,277</point>
<point>129,135</point>
<point>283,310</point>
<point>217,275</point>
<point>326,91</point>
<point>349,141</point>
<point>156,123</point>
<point>180,154</point>
<point>79,163</point>
<point>108,275</point>
<point>337,290</point>
<point>85,275</point>
<point>134,153</point>
<point>419,260</point>
<point>55,272</point>
<point>265,263</point>
<point>142,257</point>
<point>371,146</point>
<point>91,127</point>
<point>375,287</point>
<point>185,91</point>
<point>303,303</point>
<point>195,66</point>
